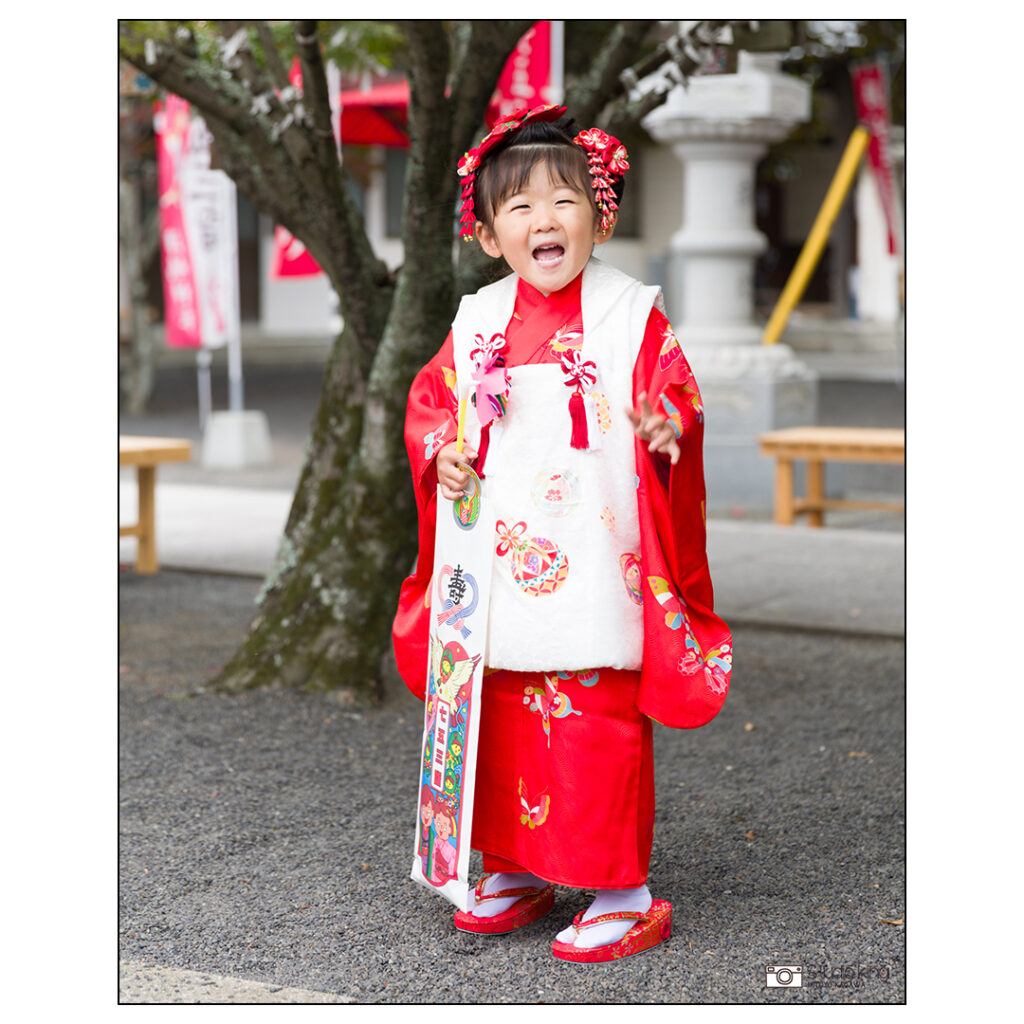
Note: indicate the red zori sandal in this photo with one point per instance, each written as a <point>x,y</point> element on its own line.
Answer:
<point>651,928</point>
<point>534,904</point>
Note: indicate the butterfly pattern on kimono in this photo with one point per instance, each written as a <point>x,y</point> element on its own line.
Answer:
<point>434,442</point>
<point>675,417</point>
<point>669,600</point>
<point>538,813</point>
<point>670,350</point>
<point>548,703</point>
<point>716,664</point>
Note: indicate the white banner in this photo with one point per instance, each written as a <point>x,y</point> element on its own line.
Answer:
<point>211,224</point>
<point>459,600</point>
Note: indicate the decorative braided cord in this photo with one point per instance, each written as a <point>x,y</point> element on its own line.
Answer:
<point>526,890</point>
<point>617,915</point>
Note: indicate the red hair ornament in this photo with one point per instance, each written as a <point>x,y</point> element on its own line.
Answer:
<point>470,163</point>
<point>607,161</point>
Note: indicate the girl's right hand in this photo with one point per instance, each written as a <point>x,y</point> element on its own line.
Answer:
<point>452,479</point>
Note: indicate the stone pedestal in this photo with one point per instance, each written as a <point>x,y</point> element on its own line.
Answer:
<point>235,439</point>
<point>720,127</point>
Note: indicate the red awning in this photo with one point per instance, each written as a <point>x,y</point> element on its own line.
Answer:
<point>376,117</point>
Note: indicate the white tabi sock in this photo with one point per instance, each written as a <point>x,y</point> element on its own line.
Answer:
<point>503,881</point>
<point>608,901</point>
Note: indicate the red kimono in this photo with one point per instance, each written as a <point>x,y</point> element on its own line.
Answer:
<point>565,770</point>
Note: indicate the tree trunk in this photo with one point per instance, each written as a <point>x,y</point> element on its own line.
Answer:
<point>138,380</point>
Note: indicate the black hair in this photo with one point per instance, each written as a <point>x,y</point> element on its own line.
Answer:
<point>507,168</point>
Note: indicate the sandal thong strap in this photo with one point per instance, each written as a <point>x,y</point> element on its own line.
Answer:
<point>617,915</point>
<point>525,890</point>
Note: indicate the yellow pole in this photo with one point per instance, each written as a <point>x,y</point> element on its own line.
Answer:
<point>460,433</point>
<point>811,252</point>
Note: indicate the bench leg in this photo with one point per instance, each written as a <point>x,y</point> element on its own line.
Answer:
<point>815,492</point>
<point>784,511</point>
<point>145,559</point>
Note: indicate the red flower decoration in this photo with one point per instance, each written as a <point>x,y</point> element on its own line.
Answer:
<point>608,162</point>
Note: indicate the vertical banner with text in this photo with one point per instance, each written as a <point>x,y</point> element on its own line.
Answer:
<point>198,233</point>
<point>527,79</point>
<point>871,91</point>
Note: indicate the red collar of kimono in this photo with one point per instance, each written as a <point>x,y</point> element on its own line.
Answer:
<point>529,298</point>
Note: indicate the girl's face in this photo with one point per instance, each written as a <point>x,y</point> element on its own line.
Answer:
<point>546,231</point>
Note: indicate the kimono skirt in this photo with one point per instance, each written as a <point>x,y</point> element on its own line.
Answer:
<point>567,800</point>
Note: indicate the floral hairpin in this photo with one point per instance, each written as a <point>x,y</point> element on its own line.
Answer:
<point>608,161</point>
<point>606,157</point>
<point>470,163</point>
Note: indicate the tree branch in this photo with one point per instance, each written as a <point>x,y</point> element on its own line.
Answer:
<point>278,72</point>
<point>316,98</point>
<point>588,97</point>
<point>236,55</point>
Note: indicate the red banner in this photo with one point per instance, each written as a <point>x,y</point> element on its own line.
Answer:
<point>870,88</point>
<point>291,257</point>
<point>181,301</point>
<point>526,78</point>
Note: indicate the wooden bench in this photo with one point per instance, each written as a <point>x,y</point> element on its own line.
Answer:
<point>146,453</point>
<point>818,445</point>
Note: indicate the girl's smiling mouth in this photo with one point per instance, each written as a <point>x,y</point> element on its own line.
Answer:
<point>548,255</point>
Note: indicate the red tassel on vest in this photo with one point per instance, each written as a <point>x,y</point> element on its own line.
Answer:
<point>579,440</point>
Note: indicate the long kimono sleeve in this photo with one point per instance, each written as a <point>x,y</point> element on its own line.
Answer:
<point>687,648</point>
<point>431,422</point>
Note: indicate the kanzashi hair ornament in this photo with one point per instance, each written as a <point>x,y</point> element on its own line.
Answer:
<point>470,163</point>
<point>608,161</point>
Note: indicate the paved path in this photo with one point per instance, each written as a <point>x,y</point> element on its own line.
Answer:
<point>838,579</point>
<point>266,838</point>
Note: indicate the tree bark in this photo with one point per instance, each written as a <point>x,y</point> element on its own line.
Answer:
<point>138,382</point>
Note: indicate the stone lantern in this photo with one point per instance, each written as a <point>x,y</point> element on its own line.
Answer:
<point>720,127</point>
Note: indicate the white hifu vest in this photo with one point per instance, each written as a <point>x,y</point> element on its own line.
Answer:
<point>566,582</point>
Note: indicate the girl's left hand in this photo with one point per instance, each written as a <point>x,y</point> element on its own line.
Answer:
<point>654,428</point>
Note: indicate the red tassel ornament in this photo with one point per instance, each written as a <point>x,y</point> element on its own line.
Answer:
<point>580,439</point>
<point>580,376</point>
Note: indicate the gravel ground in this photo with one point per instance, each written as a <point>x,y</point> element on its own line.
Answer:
<point>268,836</point>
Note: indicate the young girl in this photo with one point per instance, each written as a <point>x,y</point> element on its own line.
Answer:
<point>587,431</point>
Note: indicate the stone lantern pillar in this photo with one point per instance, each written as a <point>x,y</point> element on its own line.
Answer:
<point>720,127</point>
